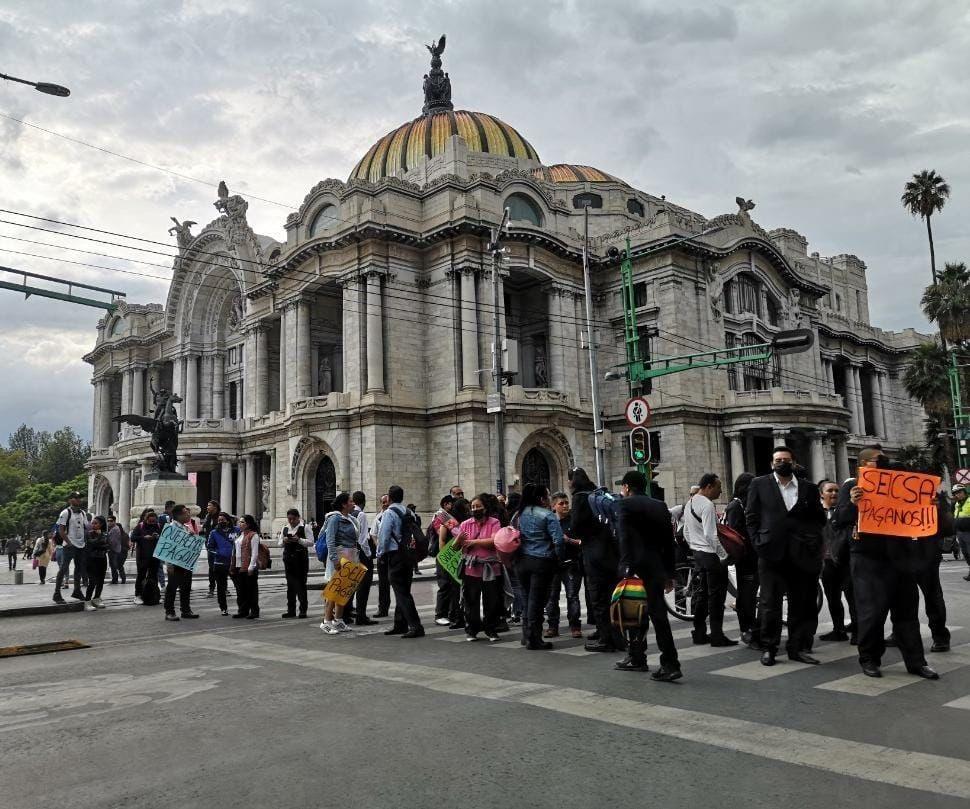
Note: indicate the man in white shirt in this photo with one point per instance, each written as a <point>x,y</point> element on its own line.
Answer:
<point>700,531</point>
<point>72,528</point>
<point>366,557</point>
<point>383,579</point>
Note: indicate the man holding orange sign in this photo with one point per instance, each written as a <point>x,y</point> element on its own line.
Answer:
<point>891,511</point>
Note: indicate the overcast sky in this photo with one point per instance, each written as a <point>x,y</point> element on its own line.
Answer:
<point>818,111</point>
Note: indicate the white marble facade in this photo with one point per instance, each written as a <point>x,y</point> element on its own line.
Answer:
<point>349,353</point>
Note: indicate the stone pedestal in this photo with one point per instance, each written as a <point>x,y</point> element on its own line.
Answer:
<point>157,488</point>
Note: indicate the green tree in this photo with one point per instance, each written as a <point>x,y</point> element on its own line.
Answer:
<point>925,378</point>
<point>27,441</point>
<point>13,474</point>
<point>947,302</point>
<point>924,195</point>
<point>35,507</point>
<point>61,457</point>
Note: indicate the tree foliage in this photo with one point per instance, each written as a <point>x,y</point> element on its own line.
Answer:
<point>13,474</point>
<point>35,507</point>
<point>50,457</point>
<point>947,302</point>
<point>926,378</point>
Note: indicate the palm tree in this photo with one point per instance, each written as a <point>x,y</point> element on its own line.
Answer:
<point>948,302</point>
<point>926,380</point>
<point>923,196</point>
<point>914,457</point>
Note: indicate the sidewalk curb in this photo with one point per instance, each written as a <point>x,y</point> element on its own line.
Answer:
<point>42,609</point>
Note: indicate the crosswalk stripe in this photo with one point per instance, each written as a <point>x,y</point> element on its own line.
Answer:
<point>753,670</point>
<point>896,676</point>
<point>963,702</point>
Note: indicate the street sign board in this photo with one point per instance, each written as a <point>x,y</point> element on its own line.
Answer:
<point>637,411</point>
<point>962,476</point>
<point>639,445</point>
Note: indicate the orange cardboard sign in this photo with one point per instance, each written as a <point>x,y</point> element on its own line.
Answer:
<point>897,503</point>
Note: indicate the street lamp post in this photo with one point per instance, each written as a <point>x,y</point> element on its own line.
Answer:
<point>40,86</point>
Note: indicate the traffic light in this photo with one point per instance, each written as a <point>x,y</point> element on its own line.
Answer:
<point>639,445</point>
<point>794,341</point>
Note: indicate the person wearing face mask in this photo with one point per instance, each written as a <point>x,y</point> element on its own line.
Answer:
<point>294,540</point>
<point>219,546</point>
<point>836,578</point>
<point>482,581</point>
<point>883,582</point>
<point>785,521</point>
<point>542,543</point>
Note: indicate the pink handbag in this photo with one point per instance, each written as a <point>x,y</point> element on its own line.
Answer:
<point>507,542</point>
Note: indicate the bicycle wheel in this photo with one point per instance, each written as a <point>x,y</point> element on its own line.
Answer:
<point>680,600</point>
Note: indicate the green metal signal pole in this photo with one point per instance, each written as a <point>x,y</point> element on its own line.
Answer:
<point>69,296</point>
<point>961,415</point>
<point>638,371</point>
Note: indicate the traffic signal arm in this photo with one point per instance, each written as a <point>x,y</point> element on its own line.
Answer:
<point>707,359</point>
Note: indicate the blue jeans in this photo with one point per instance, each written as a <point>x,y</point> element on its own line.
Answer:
<point>79,556</point>
<point>569,577</point>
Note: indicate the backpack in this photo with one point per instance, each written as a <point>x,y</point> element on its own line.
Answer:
<point>601,502</point>
<point>263,560</point>
<point>432,539</point>
<point>150,594</point>
<point>412,541</point>
<point>320,545</point>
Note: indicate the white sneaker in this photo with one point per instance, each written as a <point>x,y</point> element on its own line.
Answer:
<point>329,628</point>
<point>88,605</point>
<point>442,621</point>
<point>137,600</point>
<point>340,626</point>
<point>97,604</point>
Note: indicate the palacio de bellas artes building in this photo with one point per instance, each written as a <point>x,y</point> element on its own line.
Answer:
<point>353,351</point>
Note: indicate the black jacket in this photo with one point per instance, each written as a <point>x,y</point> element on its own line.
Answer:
<point>645,535</point>
<point>599,544</point>
<point>775,531</point>
<point>144,539</point>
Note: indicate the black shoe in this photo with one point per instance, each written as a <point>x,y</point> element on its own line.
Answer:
<point>871,669</point>
<point>303,615</point>
<point>456,625</point>
<point>700,638</point>
<point>940,646</point>
<point>890,642</point>
<point>363,621</point>
<point>78,596</point>
<point>288,615</point>
<point>394,630</point>
<point>665,675</point>
<point>835,634</point>
<point>538,646</point>
<point>190,615</point>
<point>925,672</point>
<point>746,637</point>
<point>629,665</point>
<point>599,647</point>
<point>853,639</point>
<point>380,615</point>
<point>502,627</point>
<point>240,615</point>
<point>725,641</point>
<point>414,633</point>
<point>967,577</point>
<point>768,658</point>
<point>754,645</point>
<point>171,616</point>
<point>516,620</point>
<point>58,598</point>
<point>251,617</point>
<point>803,657</point>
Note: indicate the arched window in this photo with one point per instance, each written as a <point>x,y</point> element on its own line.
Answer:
<point>117,327</point>
<point>535,468</point>
<point>587,200</point>
<point>325,219</point>
<point>635,207</point>
<point>523,209</point>
<point>324,488</point>
<point>748,293</point>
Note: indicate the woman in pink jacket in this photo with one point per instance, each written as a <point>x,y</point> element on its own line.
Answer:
<point>483,575</point>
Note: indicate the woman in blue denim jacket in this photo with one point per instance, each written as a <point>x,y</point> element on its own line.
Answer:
<point>342,532</point>
<point>542,543</point>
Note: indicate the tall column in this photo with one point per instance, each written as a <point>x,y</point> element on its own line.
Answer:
<point>261,383</point>
<point>108,429</point>
<point>829,376</point>
<point>375,335</point>
<point>737,453</point>
<point>126,391</point>
<point>884,405</point>
<point>860,414</point>
<point>351,313</point>
<point>250,501</point>
<point>191,387</point>
<point>286,352</point>
<point>582,354</point>
<point>178,374</point>
<point>841,458</point>
<point>304,387</point>
<point>878,415</point>
<point>225,484</point>
<point>818,455</point>
<point>218,405</point>
<point>96,439</point>
<point>205,387</point>
<point>850,400</point>
<point>554,344</point>
<point>124,497</point>
<point>240,487</point>
<point>138,391</point>
<point>469,331</point>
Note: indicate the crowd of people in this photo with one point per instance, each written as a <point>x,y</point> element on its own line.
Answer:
<point>793,536</point>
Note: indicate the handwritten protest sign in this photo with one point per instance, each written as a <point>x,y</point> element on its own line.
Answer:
<point>449,557</point>
<point>897,503</point>
<point>179,547</point>
<point>344,582</point>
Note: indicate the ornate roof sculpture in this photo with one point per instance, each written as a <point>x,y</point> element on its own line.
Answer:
<point>403,148</point>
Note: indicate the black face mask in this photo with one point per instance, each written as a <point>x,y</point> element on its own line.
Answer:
<point>784,468</point>
<point>223,526</point>
<point>478,514</point>
<point>882,462</point>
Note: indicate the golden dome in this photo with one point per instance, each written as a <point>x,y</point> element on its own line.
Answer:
<point>425,137</point>
<point>573,173</point>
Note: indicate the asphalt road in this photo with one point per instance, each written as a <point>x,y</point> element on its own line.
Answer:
<point>221,713</point>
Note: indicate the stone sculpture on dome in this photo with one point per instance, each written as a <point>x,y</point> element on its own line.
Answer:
<point>437,85</point>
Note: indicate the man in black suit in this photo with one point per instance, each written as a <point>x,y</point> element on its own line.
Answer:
<point>645,535</point>
<point>785,521</point>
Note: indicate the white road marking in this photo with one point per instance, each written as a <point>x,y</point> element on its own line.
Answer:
<point>753,670</point>
<point>896,676</point>
<point>942,775</point>
<point>963,702</point>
